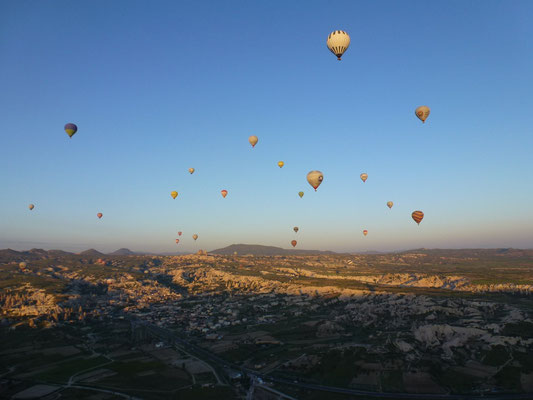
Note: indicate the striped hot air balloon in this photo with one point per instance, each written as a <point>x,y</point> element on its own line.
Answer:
<point>338,42</point>
<point>418,216</point>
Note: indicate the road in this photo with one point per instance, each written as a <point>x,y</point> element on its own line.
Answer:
<point>221,363</point>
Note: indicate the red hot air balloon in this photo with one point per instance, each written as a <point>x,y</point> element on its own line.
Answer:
<point>365,232</point>
<point>417,216</point>
<point>179,233</point>
<point>177,241</point>
<point>99,215</point>
<point>224,193</point>
<point>294,243</point>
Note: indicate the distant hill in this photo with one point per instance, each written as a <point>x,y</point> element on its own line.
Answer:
<point>91,253</point>
<point>123,252</point>
<point>258,250</point>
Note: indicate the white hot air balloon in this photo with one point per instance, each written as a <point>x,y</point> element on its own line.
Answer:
<point>338,42</point>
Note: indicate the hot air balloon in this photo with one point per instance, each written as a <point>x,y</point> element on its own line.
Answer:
<point>177,241</point>
<point>422,113</point>
<point>418,216</point>
<point>364,176</point>
<point>71,129</point>
<point>174,194</point>
<point>253,140</point>
<point>179,233</point>
<point>301,194</point>
<point>99,215</point>
<point>31,206</point>
<point>294,243</point>
<point>22,265</point>
<point>338,42</point>
<point>191,171</point>
<point>224,193</point>
<point>315,178</point>
<point>390,204</point>
<point>195,236</point>
<point>281,164</point>
<point>296,229</point>
<point>365,232</point>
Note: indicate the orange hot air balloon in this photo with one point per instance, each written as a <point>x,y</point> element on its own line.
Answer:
<point>31,206</point>
<point>179,233</point>
<point>281,164</point>
<point>294,243</point>
<point>253,140</point>
<point>195,236</point>
<point>364,176</point>
<point>365,232</point>
<point>177,241</point>
<point>99,215</point>
<point>418,216</point>
<point>224,193</point>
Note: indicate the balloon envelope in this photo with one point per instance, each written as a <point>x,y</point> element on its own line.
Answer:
<point>179,233</point>
<point>301,194</point>
<point>365,232</point>
<point>338,42</point>
<point>31,206</point>
<point>195,236</point>
<point>390,204</point>
<point>191,170</point>
<point>417,216</point>
<point>23,265</point>
<point>281,164</point>
<point>224,193</point>
<point>71,129</point>
<point>364,176</point>
<point>174,194</point>
<point>100,215</point>
<point>315,178</point>
<point>422,113</point>
<point>296,229</point>
<point>177,241</point>
<point>294,243</point>
<point>253,140</point>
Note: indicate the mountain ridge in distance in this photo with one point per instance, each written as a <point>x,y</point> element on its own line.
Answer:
<point>260,250</point>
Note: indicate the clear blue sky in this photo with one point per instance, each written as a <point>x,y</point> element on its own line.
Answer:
<point>156,87</point>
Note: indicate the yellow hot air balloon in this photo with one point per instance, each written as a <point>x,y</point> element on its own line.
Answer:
<point>301,194</point>
<point>417,216</point>
<point>195,236</point>
<point>422,113</point>
<point>281,164</point>
<point>315,178</point>
<point>174,194</point>
<point>338,42</point>
<point>364,176</point>
<point>191,171</point>
<point>390,204</point>
<point>22,265</point>
<point>253,140</point>
<point>31,206</point>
